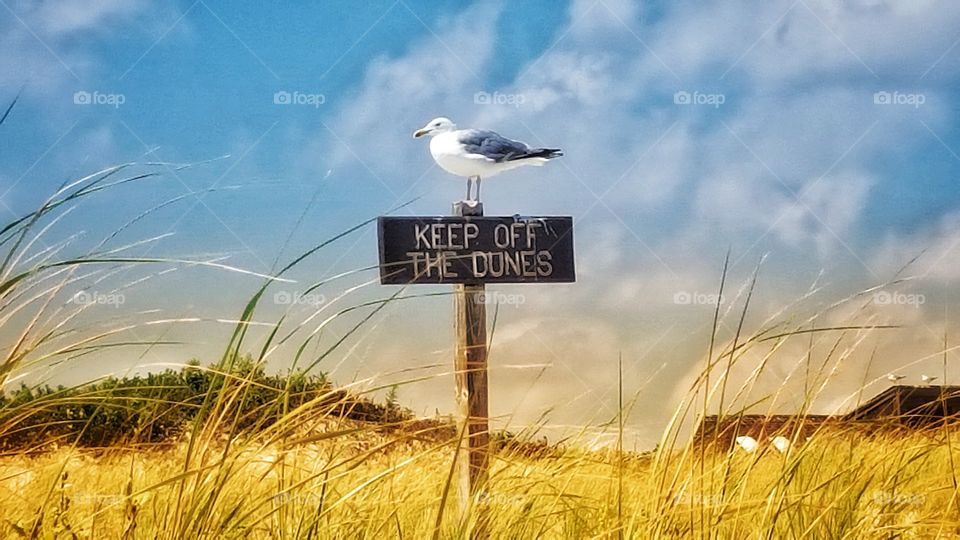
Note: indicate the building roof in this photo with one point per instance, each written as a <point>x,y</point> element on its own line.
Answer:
<point>905,400</point>
<point>905,405</point>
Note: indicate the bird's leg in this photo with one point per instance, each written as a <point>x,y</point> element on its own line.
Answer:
<point>469,181</point>
<point>478,188</point>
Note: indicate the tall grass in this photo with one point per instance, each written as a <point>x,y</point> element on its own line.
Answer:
<point>310,472</point>
<point>359,482</point>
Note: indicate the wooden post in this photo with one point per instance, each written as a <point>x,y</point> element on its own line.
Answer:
<point>470,364</point>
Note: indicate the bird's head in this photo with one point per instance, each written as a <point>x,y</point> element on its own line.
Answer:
<point>435,126</point>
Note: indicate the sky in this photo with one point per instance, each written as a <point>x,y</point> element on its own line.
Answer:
<point>815,141</point>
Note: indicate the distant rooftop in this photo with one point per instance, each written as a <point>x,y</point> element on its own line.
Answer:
<point>901,405</point>
<point>909,404</point>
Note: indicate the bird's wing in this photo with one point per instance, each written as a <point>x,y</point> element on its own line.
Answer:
<point>491,145</point>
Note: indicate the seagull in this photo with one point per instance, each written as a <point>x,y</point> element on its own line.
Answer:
<point>927,379</point>
<point>781,443</point>
<point>477,153</point>
<point>895,378</point>
<point>748,443</point>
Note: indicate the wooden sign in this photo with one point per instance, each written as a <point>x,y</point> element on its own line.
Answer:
<point>476,249</point>
<point>470,250</point>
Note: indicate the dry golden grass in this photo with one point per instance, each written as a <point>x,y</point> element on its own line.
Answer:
<point>370,485</point>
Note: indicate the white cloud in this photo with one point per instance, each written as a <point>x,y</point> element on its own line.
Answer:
<point>779,43</point>
<point>799,120</point>
<point>438,76</point>
<point>827,210</point>
<point>72,16</point>
<point>938,249</point>
<point>49,47</point>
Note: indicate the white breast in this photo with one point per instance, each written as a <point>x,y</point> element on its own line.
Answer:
<point>453,158</point>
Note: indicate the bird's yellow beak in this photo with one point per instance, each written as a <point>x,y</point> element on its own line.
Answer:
<point>420,132</point>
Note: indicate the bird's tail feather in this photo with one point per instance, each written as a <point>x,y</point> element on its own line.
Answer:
<point>545,153</point>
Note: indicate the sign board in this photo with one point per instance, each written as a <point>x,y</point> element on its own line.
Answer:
<point>476,249</point>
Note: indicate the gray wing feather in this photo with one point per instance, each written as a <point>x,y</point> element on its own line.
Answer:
<point>492,145</point>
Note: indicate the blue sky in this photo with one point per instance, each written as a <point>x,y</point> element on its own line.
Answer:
<point>818,134</point>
